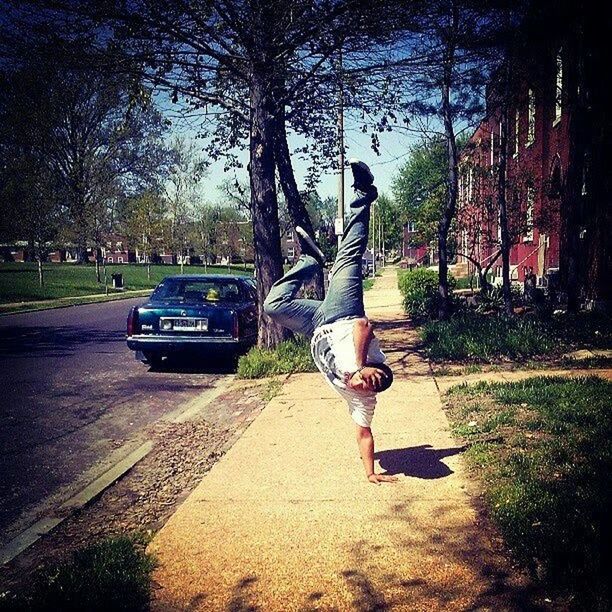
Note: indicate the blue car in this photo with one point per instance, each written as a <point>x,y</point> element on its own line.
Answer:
<point>205,314</point>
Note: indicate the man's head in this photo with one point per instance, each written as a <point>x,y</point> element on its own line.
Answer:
<point>374,377</point>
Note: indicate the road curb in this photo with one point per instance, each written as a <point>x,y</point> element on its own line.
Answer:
<point>87,301</point>
<point>43,526</point>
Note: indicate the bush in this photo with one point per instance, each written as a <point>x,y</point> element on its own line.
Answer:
<point>419,289</point>
<point>482,338</point>
<point>113,574</point>
<point>288,357</point>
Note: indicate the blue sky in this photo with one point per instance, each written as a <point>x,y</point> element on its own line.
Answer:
<point>394,147</point>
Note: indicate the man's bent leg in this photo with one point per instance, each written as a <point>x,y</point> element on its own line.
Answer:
<point>344,296</point>
<point>281,303</point>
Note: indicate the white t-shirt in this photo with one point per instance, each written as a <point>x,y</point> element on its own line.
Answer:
<point>333,351</point>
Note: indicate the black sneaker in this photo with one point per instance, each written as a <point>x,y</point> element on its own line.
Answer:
<point>362,175</point>
<point>308,246</point>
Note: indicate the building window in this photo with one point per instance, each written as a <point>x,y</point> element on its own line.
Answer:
<point>558,87</point>
<point>289,235</point>
<point>119,259</point>
<point>532,118</point>
<point>470,185</point>
<point>529,215</point>
<point>290,252</point>
<point>517,120</point>
<point>109,259</point>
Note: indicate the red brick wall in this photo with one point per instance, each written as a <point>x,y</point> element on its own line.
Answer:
<point>533,166</point>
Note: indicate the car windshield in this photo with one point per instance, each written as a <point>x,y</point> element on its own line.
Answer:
<point>198,291</point>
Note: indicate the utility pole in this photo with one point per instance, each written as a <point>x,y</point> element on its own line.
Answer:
<point>373,240</point>
<point>340,214</point>
<point>381,241</point>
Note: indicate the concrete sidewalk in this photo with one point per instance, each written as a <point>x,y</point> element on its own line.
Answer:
<point>287,521</point>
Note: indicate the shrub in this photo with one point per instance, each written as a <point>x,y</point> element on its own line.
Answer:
<point>419,289</point>
<point>482,338</point>
<point>287,358</point>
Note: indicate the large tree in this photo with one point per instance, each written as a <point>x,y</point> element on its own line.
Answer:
<point>240,66</point>
<point>103,138</point>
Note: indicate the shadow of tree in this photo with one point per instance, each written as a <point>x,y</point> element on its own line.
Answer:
<point>366,597</point>
<point>417,461</point>
<point>242,596</point>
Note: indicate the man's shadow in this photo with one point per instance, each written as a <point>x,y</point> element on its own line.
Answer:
<point>418,461</point>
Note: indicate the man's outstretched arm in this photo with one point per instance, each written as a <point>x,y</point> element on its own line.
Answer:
<point>365,440</point>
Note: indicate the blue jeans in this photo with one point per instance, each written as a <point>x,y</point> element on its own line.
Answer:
<point>344,297</point>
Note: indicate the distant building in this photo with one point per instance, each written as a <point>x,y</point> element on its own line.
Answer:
<point>537,158</point>
<point>414,251</point>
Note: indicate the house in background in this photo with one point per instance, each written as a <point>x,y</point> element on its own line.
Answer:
<point>414,251</point>
<point>117,251</point>
<point>290,246</point>
<point>539,154</point>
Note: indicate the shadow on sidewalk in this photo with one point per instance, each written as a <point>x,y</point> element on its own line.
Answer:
<point>417,461</point>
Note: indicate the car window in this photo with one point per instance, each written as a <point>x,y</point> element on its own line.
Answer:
<point>198,291</point>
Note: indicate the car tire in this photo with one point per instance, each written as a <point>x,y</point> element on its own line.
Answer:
<point>153,359</point>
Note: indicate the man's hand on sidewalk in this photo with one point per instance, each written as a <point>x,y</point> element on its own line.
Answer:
<point>378,478</point>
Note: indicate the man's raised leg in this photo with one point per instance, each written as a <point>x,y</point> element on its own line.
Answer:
<point>344,296</point>
<point>281,304</point>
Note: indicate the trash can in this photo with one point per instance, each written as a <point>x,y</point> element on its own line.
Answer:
<point>117,280</point>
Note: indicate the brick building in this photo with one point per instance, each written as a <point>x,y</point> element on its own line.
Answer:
<point>559,142</point>
<point>414,251</point>
<point>537,158</point>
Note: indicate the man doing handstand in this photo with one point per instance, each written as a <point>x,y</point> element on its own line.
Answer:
<point>343,343</point>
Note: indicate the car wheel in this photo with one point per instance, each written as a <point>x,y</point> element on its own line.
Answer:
<point>153,359</point>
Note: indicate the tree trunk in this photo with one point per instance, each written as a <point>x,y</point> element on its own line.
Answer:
<point>452,179</point>
<point>297,210</point>
<point>41,280</point>
<point>598,177</point>
<point>503,211</point>
<point>98,256</point>
<point>571,200</point>
<point>149,270</point>
<point>264,206</point>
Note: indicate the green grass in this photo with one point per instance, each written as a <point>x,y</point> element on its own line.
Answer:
<point>287,358</point>
<point>478,337</point>
<point>113,574</point>
<point>543,449</point>
<point>271,390</point>
<point>19,281</point>
<point>368,283</point>
<point>484,337</point>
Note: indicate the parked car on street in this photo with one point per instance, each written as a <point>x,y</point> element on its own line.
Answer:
<point>199,314</point>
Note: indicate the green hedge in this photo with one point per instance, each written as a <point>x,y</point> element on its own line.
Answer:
<point>419,289</point>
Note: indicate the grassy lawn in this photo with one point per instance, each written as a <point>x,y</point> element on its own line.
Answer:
<point>19,281</point>
<point>471,336</point>
<point>368,283</point>
<point>112,574</point>
<point>542,449</point>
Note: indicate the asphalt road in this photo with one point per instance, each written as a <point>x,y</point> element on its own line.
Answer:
<point>71,393</point>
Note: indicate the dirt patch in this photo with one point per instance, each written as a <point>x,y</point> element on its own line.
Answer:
<point>145,498</point>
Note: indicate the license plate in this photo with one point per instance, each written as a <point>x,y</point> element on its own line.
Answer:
<point>185,324</point>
